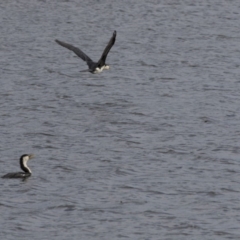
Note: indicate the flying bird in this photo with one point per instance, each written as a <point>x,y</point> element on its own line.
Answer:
<point>93,67</point>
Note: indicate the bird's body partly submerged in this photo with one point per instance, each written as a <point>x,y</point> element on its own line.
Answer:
<point>93,67</point>
<point>23,165</point>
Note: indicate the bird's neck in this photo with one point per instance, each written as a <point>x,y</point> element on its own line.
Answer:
<point>24,167</point>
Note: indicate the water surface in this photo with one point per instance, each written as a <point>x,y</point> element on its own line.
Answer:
<point>146,150</point>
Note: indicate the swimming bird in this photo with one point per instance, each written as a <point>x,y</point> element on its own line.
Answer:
<point>94,67</point>
<point>23,165</point>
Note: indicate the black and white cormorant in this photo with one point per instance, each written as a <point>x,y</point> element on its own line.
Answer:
<point>94,67</point>
<point>23,165</point>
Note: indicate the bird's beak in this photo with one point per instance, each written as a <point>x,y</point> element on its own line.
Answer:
<point>31,156</point>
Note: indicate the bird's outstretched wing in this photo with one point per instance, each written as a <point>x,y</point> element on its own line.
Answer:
<point>111,42</point>
<point>76,50</point>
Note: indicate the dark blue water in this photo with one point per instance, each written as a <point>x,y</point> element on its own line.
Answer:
<point>146,150</point>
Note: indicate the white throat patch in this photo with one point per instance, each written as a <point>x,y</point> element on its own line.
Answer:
<point>25,160</point>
